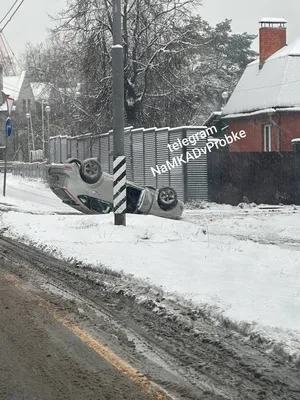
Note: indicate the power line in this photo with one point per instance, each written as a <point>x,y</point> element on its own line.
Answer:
<point>8,61</point>
<point>11,87</point>
<point>8,11</point>
<point>11,50</point>
<point>5,44</point>
<point>10,18</point>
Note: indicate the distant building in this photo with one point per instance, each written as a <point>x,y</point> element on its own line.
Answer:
<point>41,92</point>
<point>18,87</point>
<point>266,101</point>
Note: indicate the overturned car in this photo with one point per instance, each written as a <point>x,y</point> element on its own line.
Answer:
<point>85,187</point>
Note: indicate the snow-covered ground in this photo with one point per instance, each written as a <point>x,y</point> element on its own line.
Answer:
<point>243,263</point>
<point>30,196</point>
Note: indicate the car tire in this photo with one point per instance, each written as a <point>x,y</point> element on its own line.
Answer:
<point>73,160</point>
<point>167,198</point>
<point>90,170</point>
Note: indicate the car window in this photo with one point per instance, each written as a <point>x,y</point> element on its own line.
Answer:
<point>133,195</point>
<point>95,204</point>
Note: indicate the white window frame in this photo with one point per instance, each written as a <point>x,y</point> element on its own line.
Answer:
<point>267,133</point>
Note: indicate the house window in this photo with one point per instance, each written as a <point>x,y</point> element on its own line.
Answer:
<point>24,106</point>
<point>267,137</point>
<point>28,105</point>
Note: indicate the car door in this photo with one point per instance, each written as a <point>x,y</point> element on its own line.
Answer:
<point>146,200</point>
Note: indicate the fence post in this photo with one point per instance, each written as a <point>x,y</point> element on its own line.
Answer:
<point>184,169</point>
<point>296,149</point>
<point>155,146</point>
<point>169,173</point>
<point>131,154</point>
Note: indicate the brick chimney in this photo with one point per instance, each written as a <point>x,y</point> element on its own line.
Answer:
<point>272,37</point>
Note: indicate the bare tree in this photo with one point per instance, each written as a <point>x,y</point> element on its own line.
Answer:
<point>154,39</point>
<point>175,64</point>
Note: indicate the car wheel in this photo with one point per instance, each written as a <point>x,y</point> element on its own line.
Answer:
<point>90,170</point>
<point>73,160</point>
<point>167,198</point>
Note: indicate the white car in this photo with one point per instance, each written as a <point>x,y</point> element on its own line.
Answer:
<point>83,186</point>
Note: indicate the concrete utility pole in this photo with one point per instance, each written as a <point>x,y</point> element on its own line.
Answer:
<point>43,128</point>
<point>28,135</point>
<point>119,164</point>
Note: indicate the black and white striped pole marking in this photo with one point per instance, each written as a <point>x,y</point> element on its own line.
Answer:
<point>119,192</point>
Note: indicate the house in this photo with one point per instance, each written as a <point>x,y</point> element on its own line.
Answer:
<point>41,92</point>
<point>266,101</point>
<point>18,87</point>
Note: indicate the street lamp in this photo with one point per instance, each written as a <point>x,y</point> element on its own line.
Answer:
<point>225,96</point>
<point>43,128</point>
<point>28,129</point>
<point>47,109</point>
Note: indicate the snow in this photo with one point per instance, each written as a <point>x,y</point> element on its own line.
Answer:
<point>30,196</point>
<point>185,127</point>
<point>212,117</point>
<point>3,107</point>
<point>41,91</point>
<point>241,263</point>
<point>261,112</point>
<point>296,109</point>
<point>242,115</point>
<point>12,85</point>
<point>277,84</point>
<point>273,20</point>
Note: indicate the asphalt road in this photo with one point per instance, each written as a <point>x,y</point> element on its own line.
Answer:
<point>41,359</point>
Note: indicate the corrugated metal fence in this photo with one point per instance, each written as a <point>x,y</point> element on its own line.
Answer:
<point>34,170</point>
<point>144,148</point>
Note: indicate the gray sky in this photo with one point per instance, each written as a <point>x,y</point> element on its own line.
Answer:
<point>245,14</point>
<point>31,21</point>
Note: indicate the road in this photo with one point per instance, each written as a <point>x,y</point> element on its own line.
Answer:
<point>41,359</point>
<point>64,336</point>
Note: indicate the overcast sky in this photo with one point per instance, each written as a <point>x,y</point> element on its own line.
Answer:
<point>31,21</point>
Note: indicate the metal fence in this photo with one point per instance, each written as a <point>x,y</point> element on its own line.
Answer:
<point>144,148</point>
<point>31,170</point>
<point>9,165</point>
<point>262,178</point>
